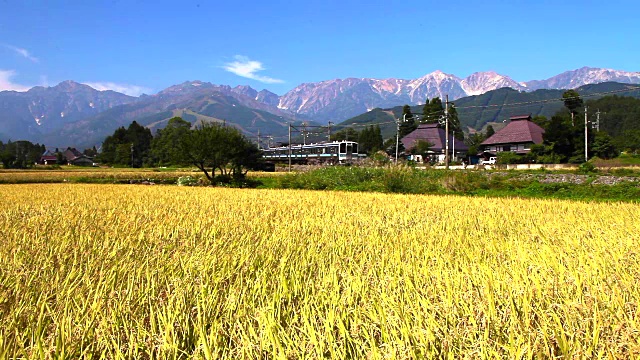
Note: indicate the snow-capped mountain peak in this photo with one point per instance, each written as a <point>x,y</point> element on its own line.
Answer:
<point>583,76</point>
<point>481,82</point>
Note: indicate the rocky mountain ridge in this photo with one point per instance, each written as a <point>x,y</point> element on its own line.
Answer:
<point>42,109</point>
<point>355,96</point>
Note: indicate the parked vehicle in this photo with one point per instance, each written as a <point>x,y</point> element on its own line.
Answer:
<point>492,161</point>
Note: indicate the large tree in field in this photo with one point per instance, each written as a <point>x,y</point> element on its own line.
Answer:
<point>217,148</point>
<point>117,148</point>
<point>166,145</point>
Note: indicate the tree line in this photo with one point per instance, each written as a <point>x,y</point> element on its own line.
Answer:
<point>369,139</point>
<point>221,152</point>
<point>20,154</point>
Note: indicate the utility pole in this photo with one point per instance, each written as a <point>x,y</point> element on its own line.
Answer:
<point>404,118</point>
<point>289,147</point>
<point>329,131</point>
<point>454,145</point>
<point>269,138</point>
<point>446,132</point>
<point>586,139</point>
<point>397,137</point>
<point>259,146</point>
<point>598,120</point>
<point>304,133</point>
<point>131,154</point>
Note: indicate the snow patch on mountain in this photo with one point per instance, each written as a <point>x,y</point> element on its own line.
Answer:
<point>583,76</point>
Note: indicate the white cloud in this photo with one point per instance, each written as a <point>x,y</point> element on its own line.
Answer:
<point>131,90</point>
<point>245,67</point>
<point>22,52</point>
<point>7,84</point>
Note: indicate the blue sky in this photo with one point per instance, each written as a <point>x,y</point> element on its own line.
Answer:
<point>146,46</point>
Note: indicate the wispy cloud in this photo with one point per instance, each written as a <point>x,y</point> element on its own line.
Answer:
<point>245,67</point>
<point>7,84</point>
<point>22,52</point>
<point>131,90</point>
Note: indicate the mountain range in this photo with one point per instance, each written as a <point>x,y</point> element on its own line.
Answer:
<point>495,107</point>
<point>345,98</point>
<point>76,114</point>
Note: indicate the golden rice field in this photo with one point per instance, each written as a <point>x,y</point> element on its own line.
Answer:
<point>126,271</point>
<point>73,174</point>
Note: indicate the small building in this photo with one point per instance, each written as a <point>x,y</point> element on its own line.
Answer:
<point>75,157</point>
<point>518,136</point>
<point>435,134</point>
<point>48,158</point>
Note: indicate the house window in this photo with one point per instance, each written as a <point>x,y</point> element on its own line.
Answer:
<point>527,146</point>
<point>506,148</point>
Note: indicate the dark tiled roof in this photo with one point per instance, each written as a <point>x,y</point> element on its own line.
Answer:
<point>517,131</point>
<point>433,134</point>
<point>72,153</point>
<point>520,117</point>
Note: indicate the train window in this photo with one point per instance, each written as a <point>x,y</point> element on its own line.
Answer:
<point>355,148</point>
<point>343,148</point>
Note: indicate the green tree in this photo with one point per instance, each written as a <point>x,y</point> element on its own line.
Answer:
<point>136,137</point>
<point>629,140</point>
<point>345,134</point>
<point>217,148</point>
<point>473,141</point>
<point>603,146</point>
<point>422,148</point>
<point>92,152</point>
<point>454,124</point>
<point>541,121</point>
<point>508,157</point>
<point>110,144</point>
<point>490,132</point>
<point>140,137</point>
<point>562,136</point>
<point>166,145</point>
<point>370,140</point>
<point>407,122</point>
<point>60,160</point>
<point>432,112</point>
<point>20,154</point>
<point>123,154</point>
<point>573,102</point>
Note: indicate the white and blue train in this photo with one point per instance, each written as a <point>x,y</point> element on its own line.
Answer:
<point>337,152</point>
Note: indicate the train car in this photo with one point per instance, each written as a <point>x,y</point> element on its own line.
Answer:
<point>337,152</point>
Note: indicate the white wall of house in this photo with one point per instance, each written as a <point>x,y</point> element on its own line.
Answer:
<point>508,147</point>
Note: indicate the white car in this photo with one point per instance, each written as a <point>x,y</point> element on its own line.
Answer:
<point>491,161</point>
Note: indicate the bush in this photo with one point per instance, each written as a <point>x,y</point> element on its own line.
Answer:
<point>187,181</point>
<point>587,168</point>
<point>508,157</point>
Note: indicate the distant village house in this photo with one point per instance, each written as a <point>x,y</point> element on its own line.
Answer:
<point>48,158</point>
<point>435,135</point>
<point>74,157</point>
<point>518,136</point>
